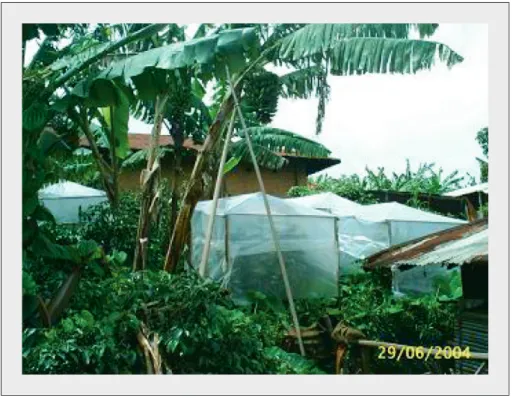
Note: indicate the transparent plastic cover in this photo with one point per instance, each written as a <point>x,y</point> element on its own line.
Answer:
<point>243,255</point>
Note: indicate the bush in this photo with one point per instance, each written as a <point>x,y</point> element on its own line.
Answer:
<point>200,329</point>
<point>367,304</point>
<point>350,187</point>
<point>116,228</point>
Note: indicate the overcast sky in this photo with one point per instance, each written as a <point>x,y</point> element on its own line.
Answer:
<point>381,120</point>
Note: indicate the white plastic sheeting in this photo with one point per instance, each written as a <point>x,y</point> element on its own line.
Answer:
<point>377,227</point>
<point>469,190</point>
<point>364,230</point>
<point>66,199</point>
<point>243,256</point>
<point>433,279</point>
<point>329,202</point>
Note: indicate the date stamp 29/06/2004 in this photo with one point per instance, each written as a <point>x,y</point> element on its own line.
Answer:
<point>423,353</point>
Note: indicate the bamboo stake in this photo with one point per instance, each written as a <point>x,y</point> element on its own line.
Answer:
<point>213,209</point>
<point>268,211</point>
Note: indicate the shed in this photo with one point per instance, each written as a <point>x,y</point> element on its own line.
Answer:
<point>475,197</point>
<point>421,265</point>
<point>66,199</point>
<point>243,256</point>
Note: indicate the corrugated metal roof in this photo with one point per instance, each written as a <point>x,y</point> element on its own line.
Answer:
<point>455,252</point>
<point>460,245</point>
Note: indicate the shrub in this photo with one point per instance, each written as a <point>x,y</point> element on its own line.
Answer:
<point>115,228</point>
<point>367,304</point>
<point>200,329</point>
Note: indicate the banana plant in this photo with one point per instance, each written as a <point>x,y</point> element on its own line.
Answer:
<point>482,139</point>
<point>336,49</point>
<point>156,75</point>
<point>341,50</point>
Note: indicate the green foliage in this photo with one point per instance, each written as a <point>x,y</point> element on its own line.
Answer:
<point>352,187</point>
<point>357,49</point>
<point>116,119</point>
<point>261,95</point>
<point>74,167</point>
<point>482,139</point>
<point>269,142</point>
<point>80,344</point>
<point>368,305</point>
<point>200,330</point>
<point>148,69</point>
<point>291,363</point>
<point>424,180</point>
<point>114,228</point>
<point>28,283</point>
<point>448,286</point>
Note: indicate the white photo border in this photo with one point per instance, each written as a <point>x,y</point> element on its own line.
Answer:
<point>496,15</point>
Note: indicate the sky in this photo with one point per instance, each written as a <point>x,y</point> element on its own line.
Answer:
<point>382,120</point>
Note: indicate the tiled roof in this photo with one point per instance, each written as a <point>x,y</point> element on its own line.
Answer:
<point>142,141</point>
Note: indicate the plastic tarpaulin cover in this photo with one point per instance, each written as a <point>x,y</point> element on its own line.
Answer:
<point>432,279</point>
<point>359,239</point>
<point>66,199</point>
<point>243,255</point>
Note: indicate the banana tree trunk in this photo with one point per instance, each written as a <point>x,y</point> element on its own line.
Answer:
<point>149,185</point>
<point>174,191</point>
<point>108,174</point>
<point>195,188</point>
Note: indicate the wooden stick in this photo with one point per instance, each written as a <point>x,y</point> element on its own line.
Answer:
<point>217,191</point>
<point>372,343</point>
<point>268,211</point>
<point>480,368</point>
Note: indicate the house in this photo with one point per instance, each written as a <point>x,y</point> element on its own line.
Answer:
<point>464,247</point>
<point>240,180</point>
<point>475,198</point>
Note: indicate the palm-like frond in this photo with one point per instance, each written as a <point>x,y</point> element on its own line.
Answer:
<point>377,55</point>
<point>301,83</point>
<point>393,30</point>
<point>140,157</point>
<point>482,139</point>
<point>270,144</point>
<point>264,156</point>
<point>283,141</point>
<point>355,49</point>
<point>483,167</point>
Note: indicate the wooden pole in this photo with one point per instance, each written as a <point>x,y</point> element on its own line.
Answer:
<point>271,223</point>
<point>213,209</point>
